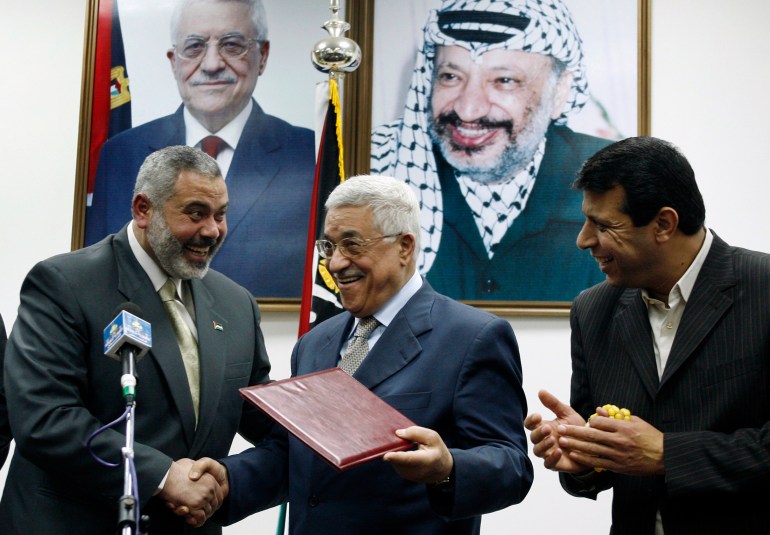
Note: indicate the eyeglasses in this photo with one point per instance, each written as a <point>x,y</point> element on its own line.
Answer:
<point>348,247</point>
<point>232,46</point>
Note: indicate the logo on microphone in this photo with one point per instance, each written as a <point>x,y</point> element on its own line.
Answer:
<point>127,328</point>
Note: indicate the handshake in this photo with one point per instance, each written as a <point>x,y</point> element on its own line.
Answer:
<point>195,489</point>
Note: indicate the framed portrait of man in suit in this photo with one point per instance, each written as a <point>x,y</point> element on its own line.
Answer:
<point>178,72</point>
<point>487,108</point>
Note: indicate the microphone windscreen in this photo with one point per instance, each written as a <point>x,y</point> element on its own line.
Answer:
<point>128,328</point>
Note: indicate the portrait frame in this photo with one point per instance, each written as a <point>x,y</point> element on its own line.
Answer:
<point>358,109</point>
<point>297,105</point>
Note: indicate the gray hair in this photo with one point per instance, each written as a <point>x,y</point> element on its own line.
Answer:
<point>158,175</point>
<point>394,206</point>
<point>256,9</point>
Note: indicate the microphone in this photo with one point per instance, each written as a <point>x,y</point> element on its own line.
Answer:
<point>127,339</point>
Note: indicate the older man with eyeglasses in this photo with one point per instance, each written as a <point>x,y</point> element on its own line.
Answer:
<point>219,50</point>
<point>452,369</point>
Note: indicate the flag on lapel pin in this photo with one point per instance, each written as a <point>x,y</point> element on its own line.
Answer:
<point>320,295</point>
<point>111,108</point>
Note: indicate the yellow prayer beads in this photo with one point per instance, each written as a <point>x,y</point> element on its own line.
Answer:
<point>614,412</point>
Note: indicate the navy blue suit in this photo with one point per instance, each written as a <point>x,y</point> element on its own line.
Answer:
<point>270,183</point>
<point>446,366</point>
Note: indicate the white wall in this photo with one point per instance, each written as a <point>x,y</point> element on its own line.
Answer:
<point>709,79</point>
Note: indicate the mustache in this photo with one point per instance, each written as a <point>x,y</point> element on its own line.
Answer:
<point>443,120</point>
<point>201,242</point>
<point>205,78</point>
<point>348,273</point>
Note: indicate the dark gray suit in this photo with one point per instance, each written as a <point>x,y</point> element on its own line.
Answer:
<point>712,403</point>
<point>5,426</point>
<point>61,387</point>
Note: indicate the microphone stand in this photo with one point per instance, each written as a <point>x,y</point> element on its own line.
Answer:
<point>128,513</point>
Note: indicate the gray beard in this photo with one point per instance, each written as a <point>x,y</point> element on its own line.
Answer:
<point>170,252</point>
<point>515,157</point>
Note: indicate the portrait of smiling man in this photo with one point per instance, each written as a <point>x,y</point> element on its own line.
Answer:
<point>483,142</point>
<point>219,49</point>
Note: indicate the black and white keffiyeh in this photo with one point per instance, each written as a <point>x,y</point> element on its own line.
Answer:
<point>403,149</point>
<point>495,206</point>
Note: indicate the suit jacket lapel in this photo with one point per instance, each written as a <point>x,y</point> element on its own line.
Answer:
<point>212,347</point>
<point>169,133</point>
<point>254,167</point>
<point>136,286</point>
<point>398,345</point>
<point>551,195</point>
<point>634,329</point>
<point>328,352</point>
<point>709,301</point>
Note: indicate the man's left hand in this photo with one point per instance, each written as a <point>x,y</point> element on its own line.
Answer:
<point>430,463</point>
<point>632,447</point>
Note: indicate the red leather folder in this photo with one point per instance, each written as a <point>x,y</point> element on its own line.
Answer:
<point>335,415</point>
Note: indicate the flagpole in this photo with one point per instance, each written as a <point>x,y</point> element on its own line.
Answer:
<point>335,55</point>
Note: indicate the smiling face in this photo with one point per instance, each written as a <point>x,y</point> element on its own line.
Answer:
<point>186,232</point>
<point>489,116</point>
<point>213,88</point>
<point>371,279</point>
<point>627,255</point>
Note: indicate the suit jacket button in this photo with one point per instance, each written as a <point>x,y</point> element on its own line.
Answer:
<point>490,286</point>
<point>313,501</point>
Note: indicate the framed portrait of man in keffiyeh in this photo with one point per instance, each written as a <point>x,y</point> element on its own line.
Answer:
<point>488,108</point>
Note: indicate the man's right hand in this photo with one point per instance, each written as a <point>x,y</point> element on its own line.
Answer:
<point>545,437</point>
<point>193,492</point>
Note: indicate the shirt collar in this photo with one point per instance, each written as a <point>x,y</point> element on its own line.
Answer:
<point>230,133</point>
<point>386,314</point>
<point>686,283</point>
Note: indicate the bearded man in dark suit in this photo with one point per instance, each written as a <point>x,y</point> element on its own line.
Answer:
<point>61,387</point>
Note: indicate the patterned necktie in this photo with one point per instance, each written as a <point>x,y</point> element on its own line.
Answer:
<point>187,343</point>
<point>358,347</point>
<point>212,145</point>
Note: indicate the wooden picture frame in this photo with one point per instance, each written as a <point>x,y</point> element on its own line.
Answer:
<point>287,88</point>
<point>357,94</point>
<point>368,28</point>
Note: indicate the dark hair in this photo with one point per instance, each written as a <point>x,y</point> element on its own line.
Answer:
<point>653,173</point>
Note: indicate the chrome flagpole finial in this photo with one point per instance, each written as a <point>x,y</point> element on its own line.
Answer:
<point>336,54</point>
